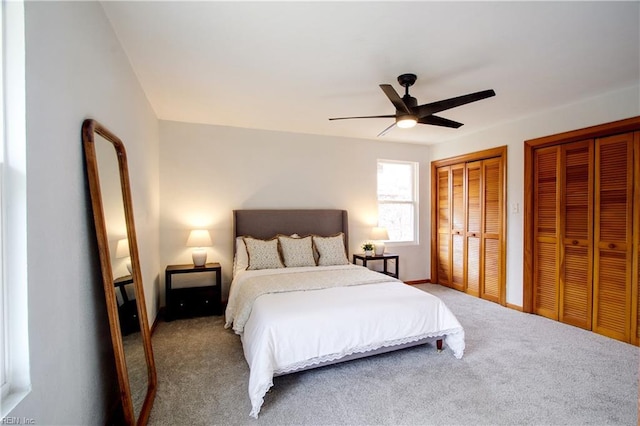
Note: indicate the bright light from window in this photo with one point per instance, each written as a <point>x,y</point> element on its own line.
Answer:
<point>3,307</point>
<point>16,382</point>
<point>397,199</point>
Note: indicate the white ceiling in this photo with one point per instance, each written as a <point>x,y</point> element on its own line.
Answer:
<point>289,66</point>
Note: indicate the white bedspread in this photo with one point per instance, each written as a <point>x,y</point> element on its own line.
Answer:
<point>286,331</point>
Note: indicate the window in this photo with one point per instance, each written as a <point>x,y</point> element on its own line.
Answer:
<point>398,200</point>
<point>14,354</point>
<point>3,307</point>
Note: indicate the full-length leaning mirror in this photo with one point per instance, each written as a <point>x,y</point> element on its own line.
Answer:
<point>108,178</point>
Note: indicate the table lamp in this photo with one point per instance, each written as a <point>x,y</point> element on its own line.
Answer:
<point>379,235</point>
<point>122,251</point>
<point>199,238</point>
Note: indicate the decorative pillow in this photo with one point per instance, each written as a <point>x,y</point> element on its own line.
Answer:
<point>297,251</point>
<point>241,258</point>
<point>331,250</point>
<point>263,254</point>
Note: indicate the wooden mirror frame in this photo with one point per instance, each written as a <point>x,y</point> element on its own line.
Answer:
<point>91,128</point>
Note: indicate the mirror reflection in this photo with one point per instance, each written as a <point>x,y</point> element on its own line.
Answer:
<point>116,226</point>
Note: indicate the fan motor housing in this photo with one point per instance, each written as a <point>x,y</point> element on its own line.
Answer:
<point>410,101</point>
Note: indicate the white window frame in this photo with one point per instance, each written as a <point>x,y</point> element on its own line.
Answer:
<point>13,209</point>
<point>414,202</point>
<point>3,307</point>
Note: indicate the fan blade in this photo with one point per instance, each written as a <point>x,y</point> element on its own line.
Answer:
<point>385,131</point>
<point>432,108</point>
<point>395,99</point>
<point>368,116</point>
<point>439,121</point>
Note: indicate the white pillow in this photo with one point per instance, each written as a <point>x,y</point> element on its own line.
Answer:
<point>297,251</point>
<point>241,258</point>
<point>331,250</point>
<point>263,254</point>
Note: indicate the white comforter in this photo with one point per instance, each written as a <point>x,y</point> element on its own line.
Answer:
<point>289,330</point>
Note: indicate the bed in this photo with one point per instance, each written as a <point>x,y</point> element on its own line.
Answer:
<point>298,303</point>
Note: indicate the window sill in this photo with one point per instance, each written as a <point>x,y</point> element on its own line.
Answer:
<point>11,401</point>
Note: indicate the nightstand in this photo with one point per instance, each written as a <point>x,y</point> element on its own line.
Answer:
<point>128,311</point>
<point>386,257</point>
<point>187,302</point>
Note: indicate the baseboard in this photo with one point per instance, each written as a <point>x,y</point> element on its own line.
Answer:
<point>416,282</point>
<point>155,321</point>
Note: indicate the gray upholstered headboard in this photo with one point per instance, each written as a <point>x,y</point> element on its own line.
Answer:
<point>268,223</point>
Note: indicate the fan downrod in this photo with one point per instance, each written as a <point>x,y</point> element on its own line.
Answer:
<point>407,80</point>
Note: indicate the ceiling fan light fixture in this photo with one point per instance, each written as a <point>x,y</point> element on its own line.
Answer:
<point>406,121</point>
<point>409,113</point>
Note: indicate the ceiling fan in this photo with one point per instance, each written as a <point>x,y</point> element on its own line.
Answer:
<point>409,113</point>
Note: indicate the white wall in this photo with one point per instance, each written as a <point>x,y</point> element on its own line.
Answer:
<point>609,107</point>
<point>76,69</point>
<point>208,171</point>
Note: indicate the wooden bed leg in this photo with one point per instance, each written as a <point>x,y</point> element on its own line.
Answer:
<point>439,345</point>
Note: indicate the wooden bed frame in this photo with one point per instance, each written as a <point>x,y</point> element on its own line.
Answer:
<point>267,223</point>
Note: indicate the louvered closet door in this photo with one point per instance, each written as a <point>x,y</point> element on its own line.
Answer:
<point>474,226</point>
<point>613,236</point>
<point>545,222</point>
<point>576,226</point>
<point>469,204</point>
<point>635,281</point>
<point>492,229</point>
<point>457,227</point>
<point>444,225</point>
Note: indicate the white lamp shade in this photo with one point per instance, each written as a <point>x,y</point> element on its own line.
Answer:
<point>122,248</point>
<point>199,238</point>
<point>122,251</point>
<point>379,233</point>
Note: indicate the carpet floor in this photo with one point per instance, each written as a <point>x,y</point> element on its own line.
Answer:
<point>518,369</point>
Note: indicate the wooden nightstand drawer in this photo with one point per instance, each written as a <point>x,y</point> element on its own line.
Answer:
<point>193,302</point>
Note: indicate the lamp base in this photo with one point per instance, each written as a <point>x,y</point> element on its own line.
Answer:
<point>199,257</point>
<point>379,249</point>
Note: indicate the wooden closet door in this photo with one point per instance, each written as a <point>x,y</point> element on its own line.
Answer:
<point>635,281</point>
<point>576,228</point>
<point>474,227</point>
<point>636,277</point>
<point>457,227</point>
<point>468,247</point>
<point>443,242</point>
<point>492,200</point>
<point>545,231</point>
<point>613,236</point>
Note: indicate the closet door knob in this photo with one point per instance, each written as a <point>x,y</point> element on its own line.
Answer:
<point>574,242</point>
<point>612,246</point>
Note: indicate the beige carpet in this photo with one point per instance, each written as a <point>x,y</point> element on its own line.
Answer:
<point>517,369</point>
